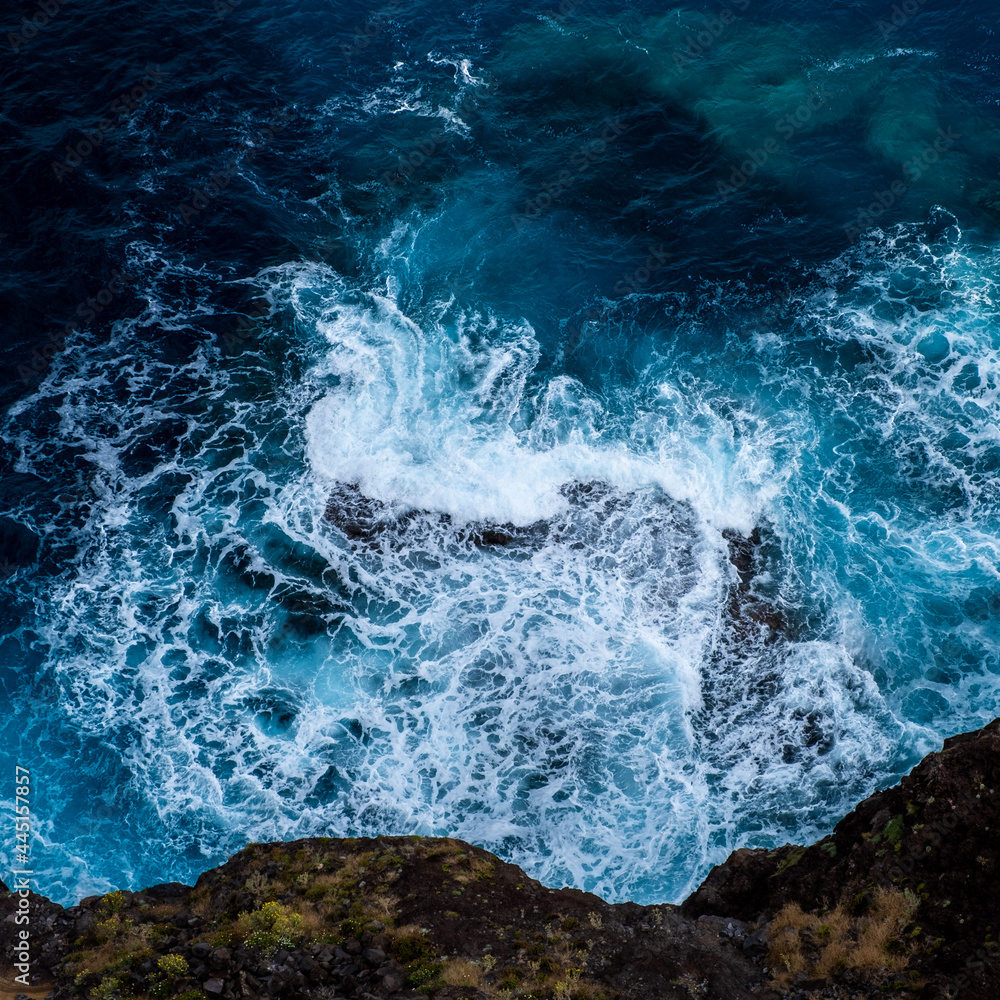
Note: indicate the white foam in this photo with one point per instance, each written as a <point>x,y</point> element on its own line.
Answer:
<point>588,704</point>
<point>425,419</point>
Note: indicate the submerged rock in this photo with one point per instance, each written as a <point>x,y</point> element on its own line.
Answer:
<point>359,517</point>
<point>749,612</point>
<point>591,508</point>
<point>368,523</point>
<point>760,92</point>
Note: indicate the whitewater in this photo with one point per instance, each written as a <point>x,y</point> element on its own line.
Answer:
<point>397,492</point>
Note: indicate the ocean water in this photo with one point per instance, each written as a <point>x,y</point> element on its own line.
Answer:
<point>574,429</point>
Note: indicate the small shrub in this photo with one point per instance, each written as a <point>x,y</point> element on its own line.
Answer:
<point>264,941</point>
<point>256,883</point>
<point>791,859</point>
<point>105,930</point>
<point>113,902</point>
<point>423,973</point>
<point>125,958</point>
<point>110,988</point>
<point>272,922</point>
<point>173,966</point>
<point>412,948</point>
<point>894,830</point>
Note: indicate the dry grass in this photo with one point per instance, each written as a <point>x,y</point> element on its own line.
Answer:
<point>825,946</point>
<point>477,869</point>
<point>114,937</point>
<point>353,866</point>
<point>403,931</point>
<point>786,947</point>
<point>314,922</point>
<point>10,989</point>
<point>162,913</point>
<point>562,983</point>
<point>462,972</point>
<point>836,954</point>
<point>202,906</point>
<point>381,906</point>
<point>446,851</point>
<point>341,893</point>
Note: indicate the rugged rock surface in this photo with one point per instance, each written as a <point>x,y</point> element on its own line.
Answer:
<point>936,835</point>
<point>901,900</point>
<point>391,916</point>
<point>594,509</point>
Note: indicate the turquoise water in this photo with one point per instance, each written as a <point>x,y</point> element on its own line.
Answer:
<point>263,605</point>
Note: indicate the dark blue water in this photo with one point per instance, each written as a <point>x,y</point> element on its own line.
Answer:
<point>573,430</point>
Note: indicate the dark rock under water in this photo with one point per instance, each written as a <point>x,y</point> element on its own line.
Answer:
<point>749,614</point>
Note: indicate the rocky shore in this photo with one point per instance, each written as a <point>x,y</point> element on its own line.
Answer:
<point>902,900</point>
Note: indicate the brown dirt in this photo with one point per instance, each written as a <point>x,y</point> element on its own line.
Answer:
<point>10,989</point>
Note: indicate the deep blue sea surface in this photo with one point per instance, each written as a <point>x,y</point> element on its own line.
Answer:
<point>572,428</point>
